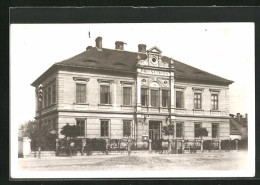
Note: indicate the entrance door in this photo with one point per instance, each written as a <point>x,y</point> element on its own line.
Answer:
<point>154,130</point>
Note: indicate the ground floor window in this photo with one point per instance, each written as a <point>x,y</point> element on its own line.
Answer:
<point>178,129</point>
<point>127,128</point>
<point>104,128</point>
<point>81,127</point>
<point>197,126</point>
<point>214,130</point>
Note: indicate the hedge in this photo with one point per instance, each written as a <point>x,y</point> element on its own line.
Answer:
<point>95,145</point>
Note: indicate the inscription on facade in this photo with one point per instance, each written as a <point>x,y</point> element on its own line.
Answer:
<point>154,72</point>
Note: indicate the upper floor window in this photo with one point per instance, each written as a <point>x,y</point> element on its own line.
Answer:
<point>54,124</point>
<point>127,128</point>
<point>45,98</point>
<point>80,93</point>
<point>178,129</point>
<point>154,98</point>
<point>165,98</point>
<point>104,128</point>
<point>144,97</point>
<point>197,126</point>
<point>179,99</point>
<point>54,92</point>
<point>197,100</point>
<point>214,130</point>
<point>105,95</point>
<point>81,127</point>
<point>127,95</point>
<point>49,96</point>
<point>214,102</point>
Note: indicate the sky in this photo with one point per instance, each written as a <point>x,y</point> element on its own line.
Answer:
<point>223,49</point>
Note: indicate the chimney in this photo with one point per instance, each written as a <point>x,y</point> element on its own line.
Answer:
<point>99,42</point>
<point>119,45</point>
<point>142,48</point>
<point>246,117</point>
<point>238,116</point>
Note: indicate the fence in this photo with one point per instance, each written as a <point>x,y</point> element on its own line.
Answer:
<point>75,146</point>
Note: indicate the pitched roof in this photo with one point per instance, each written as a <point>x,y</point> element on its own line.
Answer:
<point>233,129</point>
<point>121,60</point>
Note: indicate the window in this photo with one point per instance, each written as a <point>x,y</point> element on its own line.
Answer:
<point>214,130</point>
<point>179,99</point>
<point>165,98</point>
<point>49,96</point>
<point>45,98</point>
<point>178,129</point>
<point>197,100</point>
<point>126,128</point>
<point>54,124</point>
<point>105,94</point>
<point>214,102</point>
<point>144,97</point>
<point>81,127</point>
<point>154,98</point>
<point>197,126</point>
<point>54,93</point>
<point>127,95</point>
<point>80,93</point>
<point>104,128</point>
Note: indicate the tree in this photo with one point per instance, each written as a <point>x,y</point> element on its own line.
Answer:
<point>29,129</point>
<point>202,132</point>
<point>70,131</point>
<point>168,130</point>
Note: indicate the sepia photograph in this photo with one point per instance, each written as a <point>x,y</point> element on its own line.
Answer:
<point>132,100</point>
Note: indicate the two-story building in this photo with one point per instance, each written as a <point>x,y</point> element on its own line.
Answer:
<point>113,93</point>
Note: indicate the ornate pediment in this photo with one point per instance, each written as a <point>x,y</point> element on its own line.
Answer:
<point>155,50</point>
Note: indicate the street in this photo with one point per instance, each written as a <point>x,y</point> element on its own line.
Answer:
<point>204,161</point>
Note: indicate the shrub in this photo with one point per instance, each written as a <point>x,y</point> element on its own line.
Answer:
<point>243,144</point>
<point>207,145</point>
<point>95,145</point>
<point>157,144</point>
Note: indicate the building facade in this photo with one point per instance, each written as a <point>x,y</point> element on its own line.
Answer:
<point>113,93</point>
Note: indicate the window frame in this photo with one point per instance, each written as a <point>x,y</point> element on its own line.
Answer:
<point>157,97</point>
<point>84,127</point>
<point>179,123</point>
<point>217,131</point>
<point>130,131</point>
<point>108,128</point>
<point>196,105</point>
<point>80,92</point>
<point>214,102</point>
<point>54,92</point>
<point>182,100</point>
<point>168,100</point>
<point>200,126</point>
<point>130,95</point>
<point>84,81</point>
<point>109,94</point>
<point>146,96</point>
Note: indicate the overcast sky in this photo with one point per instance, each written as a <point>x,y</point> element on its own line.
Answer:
<point>224,49</point>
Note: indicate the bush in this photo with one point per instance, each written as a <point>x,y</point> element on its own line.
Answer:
<point>228,144</point>
<point>95,145</point>
<point>157,144</point>
<point>243,144</point>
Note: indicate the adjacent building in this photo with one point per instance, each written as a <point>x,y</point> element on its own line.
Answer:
<point>113,93</point>
<point>239,126</point>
